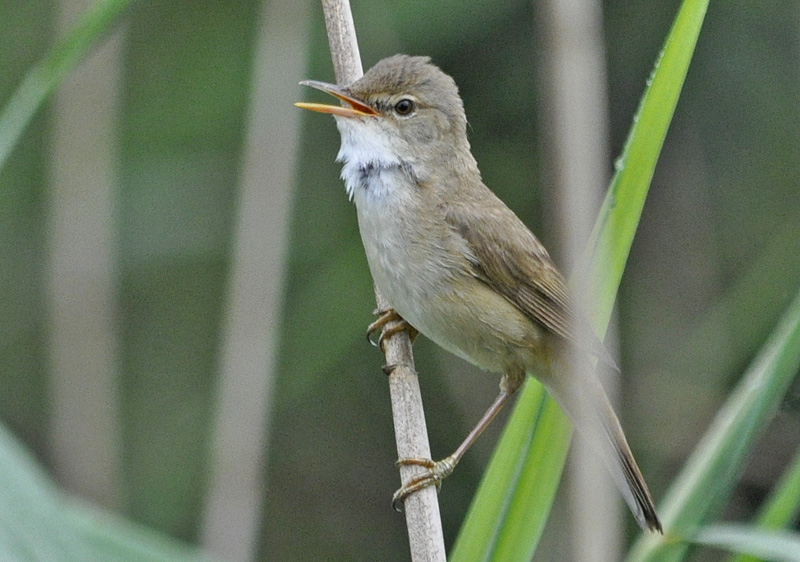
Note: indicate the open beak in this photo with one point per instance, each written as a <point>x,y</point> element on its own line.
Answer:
<point>356,109</point>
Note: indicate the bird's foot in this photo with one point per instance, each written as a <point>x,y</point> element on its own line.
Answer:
<point>433,476</point>
<point>387,316</point>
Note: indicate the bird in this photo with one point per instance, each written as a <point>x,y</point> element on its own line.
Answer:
<point>459,267</point>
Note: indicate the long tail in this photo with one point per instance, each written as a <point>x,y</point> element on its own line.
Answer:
<point>585,402</point>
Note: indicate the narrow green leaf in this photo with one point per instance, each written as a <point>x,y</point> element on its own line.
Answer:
<point>44,78</point>
<point>762,544</point>
<point>611,240</point>
<point>537,437</point>
<point>508,514</point>
<point>782,506</point>
<point>704,483</point>
<point>532,495</point>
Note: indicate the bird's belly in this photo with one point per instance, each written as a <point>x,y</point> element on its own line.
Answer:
<point>481,326</point>
<point>435,291</point>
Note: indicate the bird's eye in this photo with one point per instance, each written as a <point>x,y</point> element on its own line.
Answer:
<point>405,107</point>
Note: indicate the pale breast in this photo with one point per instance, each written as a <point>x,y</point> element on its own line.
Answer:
<point>419,264</point>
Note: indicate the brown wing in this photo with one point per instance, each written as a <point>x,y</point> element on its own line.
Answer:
<point>509,258</point>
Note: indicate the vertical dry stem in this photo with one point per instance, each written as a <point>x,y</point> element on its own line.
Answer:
<point>82,277</point>
<point>575,112</point>
<point>231,523</point>
<point>422,508</point>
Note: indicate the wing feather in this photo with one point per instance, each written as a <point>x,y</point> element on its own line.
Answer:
<point>508,257</point>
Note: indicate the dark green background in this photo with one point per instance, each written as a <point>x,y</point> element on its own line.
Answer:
<point>716,259</point>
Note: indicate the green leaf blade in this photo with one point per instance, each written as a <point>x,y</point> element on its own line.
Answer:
<point>782,506</point>
<point>616,226</point>
<point>538,439</point>
<point>761,544</point>
<point>607,254</point>
<point>43,79</point>
<point>703,484</point>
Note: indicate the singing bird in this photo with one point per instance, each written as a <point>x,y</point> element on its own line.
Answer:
<point>458,266</point>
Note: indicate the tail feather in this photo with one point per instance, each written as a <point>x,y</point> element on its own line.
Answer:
<point>586,404</point>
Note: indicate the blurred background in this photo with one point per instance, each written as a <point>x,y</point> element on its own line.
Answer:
<point>183,292</point>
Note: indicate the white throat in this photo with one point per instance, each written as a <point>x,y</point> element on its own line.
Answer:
<point>365,151</point>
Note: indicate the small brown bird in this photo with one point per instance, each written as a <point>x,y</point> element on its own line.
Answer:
<point>458,265</point>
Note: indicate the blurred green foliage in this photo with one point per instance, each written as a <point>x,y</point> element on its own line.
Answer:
<point>716,259</point>
<point>25,36</point>
<point>185,85</point>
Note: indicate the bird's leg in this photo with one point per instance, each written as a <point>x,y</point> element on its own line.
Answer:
<point>439,470</point>
<point>388,316</point>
